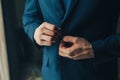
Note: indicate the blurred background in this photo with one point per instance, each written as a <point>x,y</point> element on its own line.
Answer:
<point>24,58</point>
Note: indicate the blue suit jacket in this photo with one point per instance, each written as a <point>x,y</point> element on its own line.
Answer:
<point>94,20</point>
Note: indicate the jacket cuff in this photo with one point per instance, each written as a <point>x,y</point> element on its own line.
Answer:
<point>31,32</point>
<point>100,53</point>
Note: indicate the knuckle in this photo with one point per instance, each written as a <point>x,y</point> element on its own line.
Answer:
<point>40,42</point>
<point>68,51</point>
<point>49,44</point>
<point>50,38</point>
<point>52,33</point>
<point>53,27</point>
<point>65,37</point>
<point>42,29</point>
<point>85,53</point>
<point>49,33</point>
<point>44,23</point>
<point>59,54</point>
<point>40,36</point>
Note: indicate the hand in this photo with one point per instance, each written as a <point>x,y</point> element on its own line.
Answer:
<point>75,48</point>
<point>46,34</point>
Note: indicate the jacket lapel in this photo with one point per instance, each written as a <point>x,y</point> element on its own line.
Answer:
<point>58,13</point>
<point>70,6</point>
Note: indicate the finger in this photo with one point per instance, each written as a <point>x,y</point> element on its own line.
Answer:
<point>77,48</point>
<point>64,54</point>
<point>63,49</point>
<point>37,39</point>
<point>45,43</point>
<point>76,51</point>
<point>83,55</point>
<point>46,37</point>
<point>78,56</point>
<point>48,32</point>
<point>50,26</point>
<point>69,39</point>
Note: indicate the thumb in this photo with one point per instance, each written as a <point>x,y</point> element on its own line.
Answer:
<point>69,39</point>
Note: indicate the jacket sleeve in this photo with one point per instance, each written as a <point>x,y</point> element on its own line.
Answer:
<point>32,17</point>
<point>104,49</point>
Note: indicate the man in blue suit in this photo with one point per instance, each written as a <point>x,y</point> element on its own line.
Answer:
<point>72,33</point>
